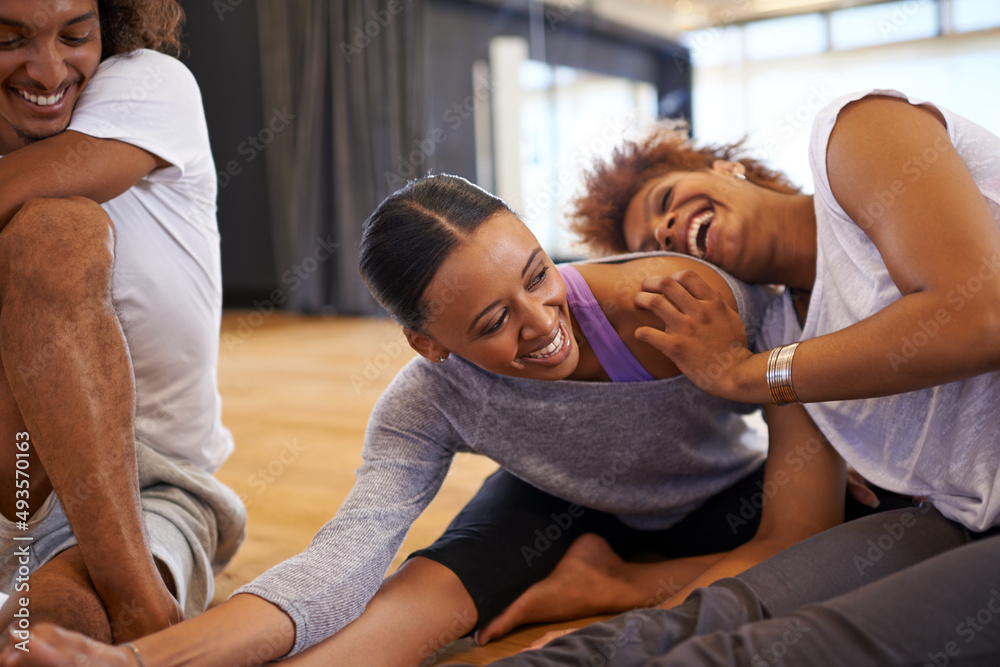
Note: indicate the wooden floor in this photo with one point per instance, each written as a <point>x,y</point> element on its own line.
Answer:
<point>297,392</point>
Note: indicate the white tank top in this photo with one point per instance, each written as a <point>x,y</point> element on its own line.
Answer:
<point>942,442</point>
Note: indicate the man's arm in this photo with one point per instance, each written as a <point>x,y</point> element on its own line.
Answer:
<point>71,164</point>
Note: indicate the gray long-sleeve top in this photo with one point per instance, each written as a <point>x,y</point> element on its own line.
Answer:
<point>648,452</point>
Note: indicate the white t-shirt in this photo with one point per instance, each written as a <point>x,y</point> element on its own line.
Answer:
<point>942,442</point>
<point>167,277</point>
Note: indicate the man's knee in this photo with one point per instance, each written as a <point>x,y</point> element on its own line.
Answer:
<point>59,244</point>
<point>62,593</point>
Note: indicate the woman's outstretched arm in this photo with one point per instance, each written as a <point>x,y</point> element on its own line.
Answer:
<point>420,609</point>
<point>311,597</point>
<point>940,244</point>
<point>243,630</point>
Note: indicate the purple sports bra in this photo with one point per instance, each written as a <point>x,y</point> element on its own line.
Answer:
<point>615,357</point>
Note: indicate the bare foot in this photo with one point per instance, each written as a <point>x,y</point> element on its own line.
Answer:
<point>590,579</point>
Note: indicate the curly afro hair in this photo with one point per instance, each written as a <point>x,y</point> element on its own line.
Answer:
<point>128,25</point>
<point>597,216</point>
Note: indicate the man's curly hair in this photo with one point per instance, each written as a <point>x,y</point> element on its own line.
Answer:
<point>597,216</point>
<point>128,25</point>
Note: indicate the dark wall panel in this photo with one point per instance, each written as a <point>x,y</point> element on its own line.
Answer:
<point>223,54</point>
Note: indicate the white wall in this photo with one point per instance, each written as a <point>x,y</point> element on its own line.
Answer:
<point>773,102</point>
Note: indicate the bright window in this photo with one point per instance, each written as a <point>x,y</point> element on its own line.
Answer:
<point>715,46</point>
<point>785,37</point>
<point>884,23</point>
<point>773,103</point>
<point>974,15</point>
<point>549,123</point>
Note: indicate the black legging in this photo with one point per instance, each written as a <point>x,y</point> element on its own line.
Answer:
<point>511,535</point>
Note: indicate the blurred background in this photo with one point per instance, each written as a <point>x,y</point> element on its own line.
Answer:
<point>318,109</point>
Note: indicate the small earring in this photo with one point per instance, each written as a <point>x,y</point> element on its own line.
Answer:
<point>441,360</point>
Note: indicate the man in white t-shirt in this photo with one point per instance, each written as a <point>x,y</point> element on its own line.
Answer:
<point>109,321</point>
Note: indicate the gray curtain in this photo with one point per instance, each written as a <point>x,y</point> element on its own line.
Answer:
<point>342,85</point>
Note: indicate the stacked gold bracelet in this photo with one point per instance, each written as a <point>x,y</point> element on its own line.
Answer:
<point>779,375</point>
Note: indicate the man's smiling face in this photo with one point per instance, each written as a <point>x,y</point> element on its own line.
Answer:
<point>48,53</point>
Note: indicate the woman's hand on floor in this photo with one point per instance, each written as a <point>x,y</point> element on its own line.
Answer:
<point>52,646</point>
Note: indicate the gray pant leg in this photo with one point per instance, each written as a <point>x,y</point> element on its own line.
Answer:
<point>942,612</point>
<point>825,566</point>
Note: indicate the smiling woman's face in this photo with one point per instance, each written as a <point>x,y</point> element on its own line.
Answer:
<point>499,302</point>
<point>48,53</point>
<point>697,213</point>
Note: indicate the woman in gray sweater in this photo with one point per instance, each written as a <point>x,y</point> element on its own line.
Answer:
<point>540,371</point>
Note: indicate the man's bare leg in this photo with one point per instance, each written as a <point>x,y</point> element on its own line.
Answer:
<point>63,585</point>
<point>419,610</point>
<point>67,366</point>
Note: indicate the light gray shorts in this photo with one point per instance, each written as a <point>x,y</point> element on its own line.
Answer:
<point>194,524</point>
